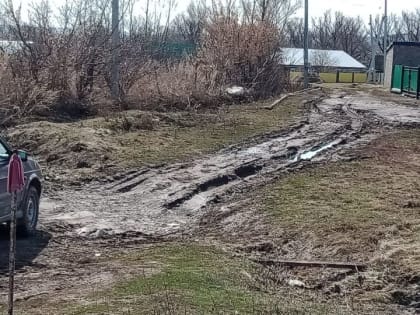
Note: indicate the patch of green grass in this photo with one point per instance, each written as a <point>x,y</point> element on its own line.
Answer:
<point>201,277</point>
<point>195,280</point>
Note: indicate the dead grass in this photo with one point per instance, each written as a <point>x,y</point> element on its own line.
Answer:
<point>365,211</point>
<point>193,279</point>
<point>377,91</point>
<point>136,139</point>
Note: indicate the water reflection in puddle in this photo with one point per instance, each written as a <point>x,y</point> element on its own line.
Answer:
<point>309,155</point>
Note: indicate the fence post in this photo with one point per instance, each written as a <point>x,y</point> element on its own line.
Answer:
<point>337,77</point>
<point>402,79</point>
<point>352,77</point>
<point>392,77</point>
<point>418,83</point>
<point>409,80</point>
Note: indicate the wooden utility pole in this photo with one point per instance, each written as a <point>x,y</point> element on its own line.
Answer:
<point>15,184</point>
<point>306,48</point>
<point>385,35</point>
<point>373,51</point>
<point>115,67</point>
<point>12,255</point>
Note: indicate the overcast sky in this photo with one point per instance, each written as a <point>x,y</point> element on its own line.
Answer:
<point>317,7</point>
<point>360,7</point>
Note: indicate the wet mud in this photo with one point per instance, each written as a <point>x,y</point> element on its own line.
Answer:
<point>166,200</point>
<point>146,205</point>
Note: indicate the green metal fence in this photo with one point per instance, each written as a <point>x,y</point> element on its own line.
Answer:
<point>406,80</point>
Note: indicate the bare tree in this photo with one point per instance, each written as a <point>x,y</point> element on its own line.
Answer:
<point>342,33</point>
<point>295,33</point>
<point>277,12</point>
<point>410,26</point>
<point>191,23</point>
<point>395,31</point>
<point>64,55</point>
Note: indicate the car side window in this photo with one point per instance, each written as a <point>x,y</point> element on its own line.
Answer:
<point>4,155</point>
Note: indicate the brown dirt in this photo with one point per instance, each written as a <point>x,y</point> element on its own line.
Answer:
<point>206,198</point>
<point>79,152</point>
<point>363,209</point>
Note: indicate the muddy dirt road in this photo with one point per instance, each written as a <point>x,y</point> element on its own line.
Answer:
<point>166,200</point>
<point>157,203</point>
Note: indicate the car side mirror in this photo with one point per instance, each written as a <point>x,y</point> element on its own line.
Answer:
<point>23,155</point>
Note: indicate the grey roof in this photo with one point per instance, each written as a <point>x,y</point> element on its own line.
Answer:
<point>412,44</point>
<point>321,58</point>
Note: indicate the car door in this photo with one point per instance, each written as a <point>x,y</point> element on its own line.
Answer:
<point>5,198</point>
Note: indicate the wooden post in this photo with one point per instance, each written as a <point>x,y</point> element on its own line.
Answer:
<point>385,36</point>
<point>409,80</point>
<point>312,264</point>
<point>392,78</point>
<point>12,254</point>
<point>352,77</point>
<point>337,77</point>
<point>15,184</point>
<point>306,47</point>
<point>115,64</point>
<point>402,79</point>
<point>418,83</point>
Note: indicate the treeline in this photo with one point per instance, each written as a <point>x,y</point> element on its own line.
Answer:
<point>62,65</point>
<point>352,34</point>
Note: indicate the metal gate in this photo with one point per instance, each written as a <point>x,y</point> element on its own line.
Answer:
<point>406,80</point>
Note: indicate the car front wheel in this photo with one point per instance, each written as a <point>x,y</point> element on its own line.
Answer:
<point>27,225</point>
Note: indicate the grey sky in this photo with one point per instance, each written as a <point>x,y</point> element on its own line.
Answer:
<point>360,7</point>
<point>317,7</point>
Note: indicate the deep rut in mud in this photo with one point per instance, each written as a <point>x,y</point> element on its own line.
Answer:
<point>166,200</point>
<point>147,205</point>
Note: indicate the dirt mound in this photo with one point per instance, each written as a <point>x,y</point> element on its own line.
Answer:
<point>68,154</point>
<point>65,144</point>
<point>76,152</point>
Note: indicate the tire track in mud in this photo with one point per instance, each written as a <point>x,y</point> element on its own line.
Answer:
<point>165,200</point>
<point>149,205</point>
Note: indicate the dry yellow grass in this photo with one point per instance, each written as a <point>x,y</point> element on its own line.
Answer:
<point>365,211</point>
<point>136,139</point>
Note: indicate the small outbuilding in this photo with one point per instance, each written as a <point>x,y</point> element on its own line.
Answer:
<point>405,54</point>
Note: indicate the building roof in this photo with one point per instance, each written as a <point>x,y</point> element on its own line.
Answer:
<point>411,44</point>
<point>321,58</point>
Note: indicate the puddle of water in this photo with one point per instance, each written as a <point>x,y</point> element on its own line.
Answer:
<point>309,155</point>
<point>254,151</point>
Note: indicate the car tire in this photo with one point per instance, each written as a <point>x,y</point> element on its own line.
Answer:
<point>27,225</point>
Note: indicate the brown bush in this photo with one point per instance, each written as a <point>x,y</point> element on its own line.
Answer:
<point>21,96</point>
<point>176,85</point>
<point>231,53</point>
<point>64,71</point>
<point>244,54</point>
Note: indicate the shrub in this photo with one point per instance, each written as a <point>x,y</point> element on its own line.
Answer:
<point>62,68</point>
